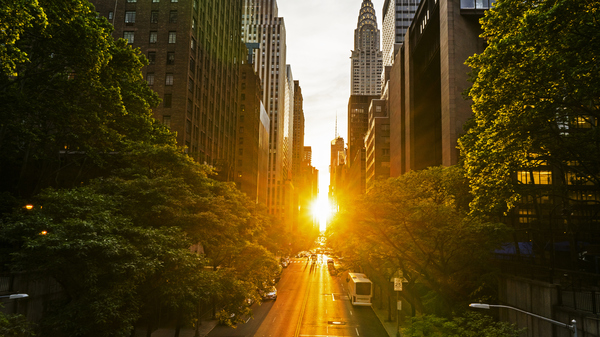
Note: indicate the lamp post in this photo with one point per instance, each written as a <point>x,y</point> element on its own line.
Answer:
<point>572,327</point>
<point>14,296</point>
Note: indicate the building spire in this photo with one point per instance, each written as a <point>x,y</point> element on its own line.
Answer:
<point>336,134</point>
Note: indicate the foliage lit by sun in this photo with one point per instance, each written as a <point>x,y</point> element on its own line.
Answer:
<point>321,210</point>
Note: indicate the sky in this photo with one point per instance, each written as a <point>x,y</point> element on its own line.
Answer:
<point>320,38</point>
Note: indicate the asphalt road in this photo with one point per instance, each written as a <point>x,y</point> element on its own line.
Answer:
<point>310,303</point>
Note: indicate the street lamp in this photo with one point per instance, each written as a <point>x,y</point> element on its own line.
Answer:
<point>14,296</point>
<point>572,327</point>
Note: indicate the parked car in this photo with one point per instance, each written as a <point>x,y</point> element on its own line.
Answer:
<point>270,294</point>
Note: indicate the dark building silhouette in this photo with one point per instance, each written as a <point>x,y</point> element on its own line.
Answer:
<point>377,143</point>
<point>195,54</point>
<point>253,135</point>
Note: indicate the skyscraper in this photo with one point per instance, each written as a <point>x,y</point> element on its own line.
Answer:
<point>397,17</point>
<point>366,56</point>
<point>298,140</point>
<point>260,24</point>
<point>194,56</point>
<point>337,166</point>
<point>253,134</point>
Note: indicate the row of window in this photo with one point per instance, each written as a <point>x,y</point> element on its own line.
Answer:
<point>130,37</point>
<point>544,177</point>
<point>170,58</point>
<point>155,1</point>
<point>168,79</point>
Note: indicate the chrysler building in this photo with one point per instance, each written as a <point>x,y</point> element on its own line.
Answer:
<point>366,57</point>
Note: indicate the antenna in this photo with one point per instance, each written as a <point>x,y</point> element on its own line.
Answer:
<point>336,133</point>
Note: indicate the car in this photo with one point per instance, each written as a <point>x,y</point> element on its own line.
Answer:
<point>270,294</point>
<point>330,261</point>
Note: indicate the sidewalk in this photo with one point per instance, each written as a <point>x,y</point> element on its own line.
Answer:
<point>382,314</point>
<point>205,328</point>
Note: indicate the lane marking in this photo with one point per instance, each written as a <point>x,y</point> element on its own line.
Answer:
<point>297,333</point>
<point>357,332</point>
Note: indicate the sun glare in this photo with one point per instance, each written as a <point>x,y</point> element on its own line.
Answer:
<point>321,209</point>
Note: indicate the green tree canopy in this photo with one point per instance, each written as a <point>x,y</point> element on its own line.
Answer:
<point>78,100</point>
<point>469,324</point>
<point>536,98</point>
<point>418,223</point>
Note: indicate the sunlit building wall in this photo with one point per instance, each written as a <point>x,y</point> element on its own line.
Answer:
<point>261,24</point>
<point>288,197</point>
<point>307,155</point>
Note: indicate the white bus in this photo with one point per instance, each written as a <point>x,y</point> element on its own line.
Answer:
<point>360,289</point>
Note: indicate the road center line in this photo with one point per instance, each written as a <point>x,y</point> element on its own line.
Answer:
<point>297,333</point>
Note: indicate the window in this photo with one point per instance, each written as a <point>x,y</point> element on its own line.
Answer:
<point>167,103</point>
<point>154,17</point>
<point>172,37</point>
<point>191,85</point>
<point>110,15</point>
<point>131,0</point>
<point>169,79</point>
<point>129,17</point>
<point>153,37</point>
<point>155,0</point>
<point>151,57</point>
<point>173,17</point>
<point>192,65</point>
<point>194,24</point>
<point>170,58</point>
<point>128,36</point>
<point>535,177</point>
<point>167,119</point>
<point>173,0</point>
<point>150,78</point>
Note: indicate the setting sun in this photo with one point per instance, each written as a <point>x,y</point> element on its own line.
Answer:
<point>321,210</point>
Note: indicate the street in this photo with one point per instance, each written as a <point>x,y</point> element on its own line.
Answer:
<point>310,303</point>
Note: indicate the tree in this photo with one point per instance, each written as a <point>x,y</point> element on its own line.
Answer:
<point>16,17</point>
<point>419,224</point>
<point>535,92</point>
<point>96,255</point>
<point>15,325</point>
<point>467,325</point>
<point>77,100</point>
